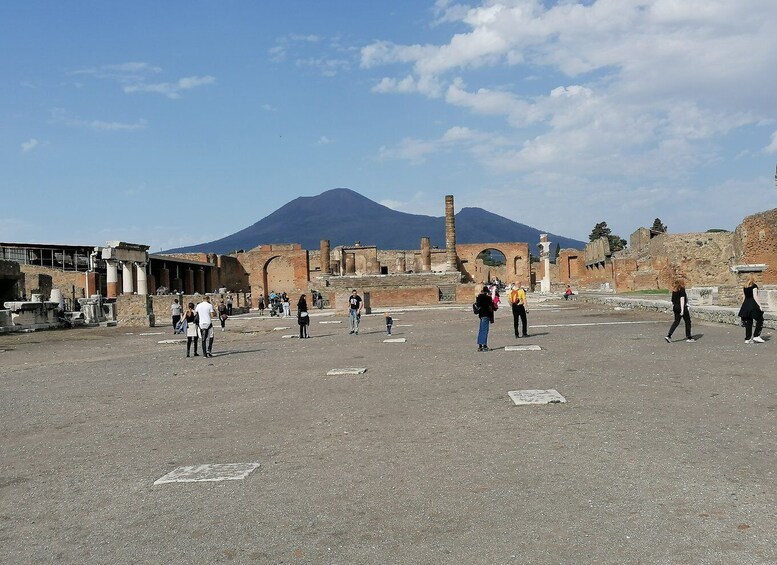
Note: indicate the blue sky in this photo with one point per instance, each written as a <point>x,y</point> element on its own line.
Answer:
<point>172,123</point>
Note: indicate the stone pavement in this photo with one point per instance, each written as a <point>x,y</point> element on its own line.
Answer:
<point>662,453</point>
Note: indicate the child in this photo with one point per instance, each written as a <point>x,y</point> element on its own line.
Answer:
<point>389,323</point>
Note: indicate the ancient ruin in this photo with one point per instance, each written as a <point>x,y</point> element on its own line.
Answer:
<point>122,283</point>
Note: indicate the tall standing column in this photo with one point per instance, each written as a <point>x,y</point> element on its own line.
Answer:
<point>450,234</point>
<point>326,266</point>
<point>426,255</point>
<point>545,256</point>
<point>127,282</point>
<point>112,278</point>
<point>140,268</point>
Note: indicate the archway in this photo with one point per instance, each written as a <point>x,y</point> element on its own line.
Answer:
<point>491,264</point>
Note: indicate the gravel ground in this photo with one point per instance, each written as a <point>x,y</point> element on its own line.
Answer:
<point>663,453</point>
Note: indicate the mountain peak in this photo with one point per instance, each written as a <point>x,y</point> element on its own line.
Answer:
<point>344,216</point>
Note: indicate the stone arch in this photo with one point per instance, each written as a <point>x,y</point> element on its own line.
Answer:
<point>491,263</point>
<point>278,274</point>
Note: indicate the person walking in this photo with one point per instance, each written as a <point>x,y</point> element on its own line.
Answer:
<point>206,314</point>
<point>303,319</point>
<point>175,311</point>
<point>223,315</point>
<point>680,309</point>
<point>751,310</point>
<point>229,305</point>
<point>261,304</point>
<point>485,308</point>
<point>192,332</point>
<point>517,300</point>
<point>354,312</point>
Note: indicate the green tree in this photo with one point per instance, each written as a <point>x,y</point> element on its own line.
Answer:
<point>658,225</point>
<point>558,250</point>
<point>601,230</point>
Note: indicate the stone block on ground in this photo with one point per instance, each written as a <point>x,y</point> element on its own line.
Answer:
<point>208,473</point>
<point>550,396</point>
<point>347,371</point>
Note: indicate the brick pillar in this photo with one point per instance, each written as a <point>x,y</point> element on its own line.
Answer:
<point>151,281</point>
<point>426,255</point>
<point>326,266</point>
<point>188,281</point>
<point>450,234</point>
<point>201,281</point>
<point>164,277</point>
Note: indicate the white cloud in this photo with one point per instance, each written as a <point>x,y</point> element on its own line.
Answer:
<point>772,147</point>
<point>29,145</point>
<point>269,108</point>
<point>324,140</point>
<point>635,87</point>
<point>60,116</point>
<point>171,89</point>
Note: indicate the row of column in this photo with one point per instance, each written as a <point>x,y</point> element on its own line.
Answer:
<point>127,277</point>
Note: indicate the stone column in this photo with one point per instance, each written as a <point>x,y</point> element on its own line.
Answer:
<point>142,281</point>
<point>545,256</point>
<point>326,267</point>
<point>401,262</point>
<point>127,278</point>
<point>426,255</point>
<point>450,235</point>
<point>112,278</point>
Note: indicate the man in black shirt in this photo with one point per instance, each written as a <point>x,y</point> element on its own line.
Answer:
<point>354,312</point>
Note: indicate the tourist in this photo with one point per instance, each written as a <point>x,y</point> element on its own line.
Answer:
<point>175,310</point>
<point>192,333</point>
<point>206,314</point>
<point>223,315</point>
<point>261,304</point>
<point>229,305</point>
<point>495,299</point>
<point>568,292</point>
<point>680,309</point>
<point>517,300</point>
<point>751,310</point>
<point>389,323</point>
<point>286,305</point>
<point>303,319</point>
<point>485,308</point>
<point>354,312</point>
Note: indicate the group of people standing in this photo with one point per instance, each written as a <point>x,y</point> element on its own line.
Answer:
<point>487,302</point>
<point>750,312</point>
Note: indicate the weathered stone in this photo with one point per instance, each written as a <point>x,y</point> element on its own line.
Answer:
<point>347,371</point>
<point>395,340</point>
<point>523,348</point>
<point>550,396</point>
<point>208,473</point>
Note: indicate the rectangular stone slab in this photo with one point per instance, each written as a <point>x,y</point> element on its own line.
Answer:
<point>331,322</point>
<point>179,340</point>
<point>523,348</point>
<point>347,371</point>
<point>208,473</point>
<point>288,336</point>
<point>550,396</point>
<point>395,340</point>
<point>281,328</point>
